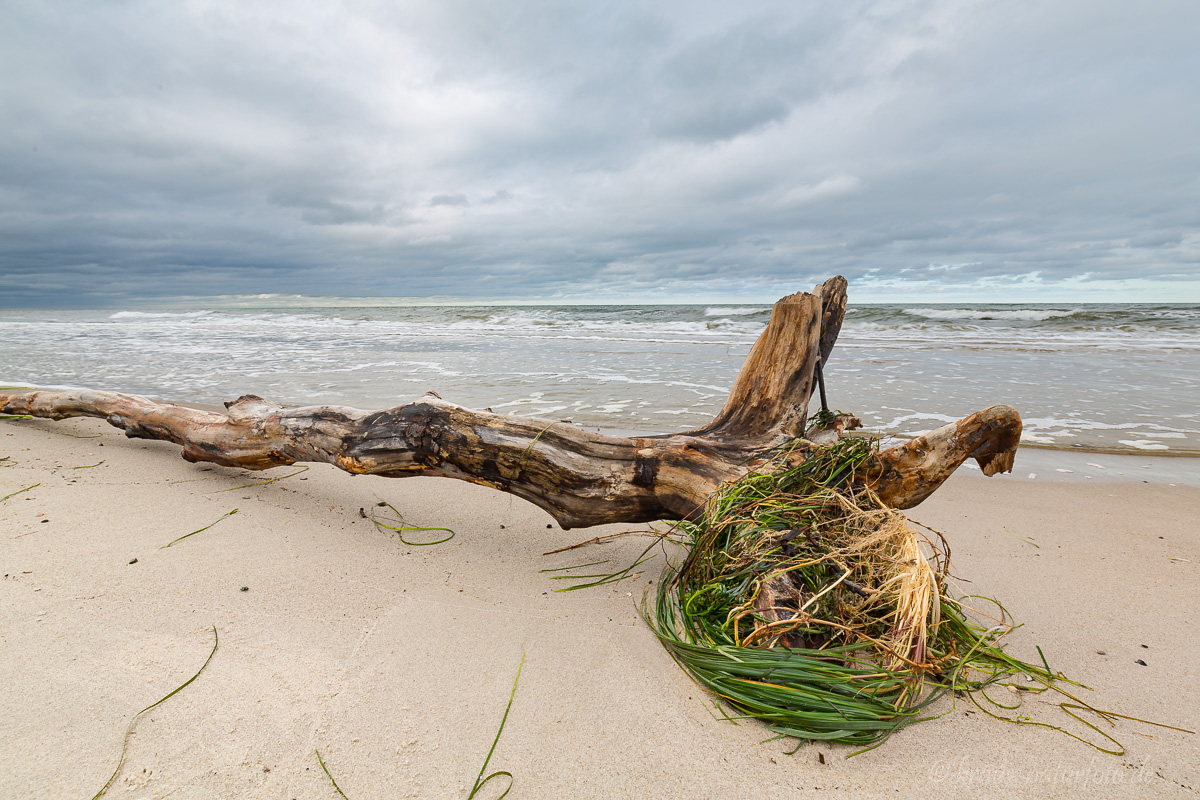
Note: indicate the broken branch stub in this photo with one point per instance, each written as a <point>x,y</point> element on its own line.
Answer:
<point>581,478</point>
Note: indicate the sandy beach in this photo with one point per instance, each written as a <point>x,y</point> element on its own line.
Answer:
<point>396,662</point>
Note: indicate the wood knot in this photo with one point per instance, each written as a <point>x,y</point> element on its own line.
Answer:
<point>645,469</point>
<point>423,439</point>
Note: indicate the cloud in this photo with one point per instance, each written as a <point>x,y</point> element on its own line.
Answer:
<point>541,149</point>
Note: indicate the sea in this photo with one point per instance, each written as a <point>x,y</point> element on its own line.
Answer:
<point>1085,377</point>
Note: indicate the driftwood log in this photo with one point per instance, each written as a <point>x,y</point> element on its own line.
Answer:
<point>581,478</point>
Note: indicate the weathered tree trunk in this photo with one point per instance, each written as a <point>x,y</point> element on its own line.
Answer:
<point>580,478</point>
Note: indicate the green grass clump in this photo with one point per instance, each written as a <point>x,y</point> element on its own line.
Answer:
<point>803,602</point>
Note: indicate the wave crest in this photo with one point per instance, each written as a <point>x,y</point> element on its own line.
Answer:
<point>738,311</point>
<point>159,314</point>
<point>1024,314</point>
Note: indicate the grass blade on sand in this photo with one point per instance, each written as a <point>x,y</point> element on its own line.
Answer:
<point>481,780</point>
<point>201,530</point>
<point>133,722</point>
<point>19,491</point>
<point>264,483</point>
<point>601,578</point>
<point>399,527</point>
<point>336,788</point>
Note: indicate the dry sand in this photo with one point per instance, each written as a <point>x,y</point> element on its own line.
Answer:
<point>396,662</point>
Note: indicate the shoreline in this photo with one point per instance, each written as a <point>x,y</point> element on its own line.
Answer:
<point>396,661</point>
<point>1079,466</point>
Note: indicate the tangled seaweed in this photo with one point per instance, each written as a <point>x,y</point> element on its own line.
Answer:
<point>805,603</point>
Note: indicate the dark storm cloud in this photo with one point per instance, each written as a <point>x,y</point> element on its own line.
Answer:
<point>663,151</point>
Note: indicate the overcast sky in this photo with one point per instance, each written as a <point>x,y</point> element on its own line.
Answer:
<point>659,152</point>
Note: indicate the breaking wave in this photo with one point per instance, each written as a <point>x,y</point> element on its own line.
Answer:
<point>1024,314</point>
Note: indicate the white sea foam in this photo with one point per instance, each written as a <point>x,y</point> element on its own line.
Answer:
<point>1026,314</point>
<point>1077,423</point>
<point>895,423</point>
<point>741,311</point>
<point>915,337</point>
<point>1143,444</point>
<point>431,366</point>
<point>159,314</point>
